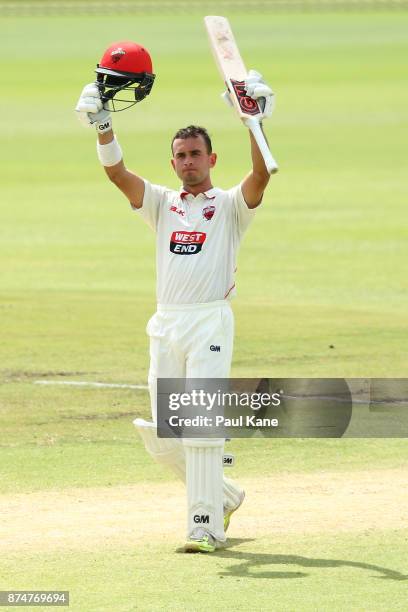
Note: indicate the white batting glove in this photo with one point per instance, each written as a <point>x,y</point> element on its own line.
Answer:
<point>257,89</point>
<point>90,109</point>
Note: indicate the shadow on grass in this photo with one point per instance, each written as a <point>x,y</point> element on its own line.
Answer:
<point>253,561</point>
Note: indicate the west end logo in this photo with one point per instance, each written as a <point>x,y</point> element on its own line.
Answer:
<point>187,243</point>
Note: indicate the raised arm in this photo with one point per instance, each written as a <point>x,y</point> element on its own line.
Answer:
<point>254,184</point>
<point>131,185</point>
<point>90,112</point>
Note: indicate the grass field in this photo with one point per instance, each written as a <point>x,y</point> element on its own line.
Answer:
<point>323,264</point>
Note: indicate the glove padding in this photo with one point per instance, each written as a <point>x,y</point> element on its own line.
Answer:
<point>257,89</point>
<point>90,107</point>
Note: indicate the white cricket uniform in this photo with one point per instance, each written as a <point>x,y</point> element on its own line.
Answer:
<point>191,334</point>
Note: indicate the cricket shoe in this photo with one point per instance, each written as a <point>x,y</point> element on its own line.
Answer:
<point>200,541</point>
<point>229,513</point>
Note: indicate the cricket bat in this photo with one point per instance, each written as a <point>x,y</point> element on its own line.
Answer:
<point>233,72</point>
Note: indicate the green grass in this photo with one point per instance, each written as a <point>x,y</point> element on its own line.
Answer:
<point>321,265</point>
<point>55,437</point>
<point>277,573</point>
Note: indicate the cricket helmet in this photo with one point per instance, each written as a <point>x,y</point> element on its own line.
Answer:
<point>124,75</point>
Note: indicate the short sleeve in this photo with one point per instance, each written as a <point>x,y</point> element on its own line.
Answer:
<point>150,208</point>
<point>243,214</point>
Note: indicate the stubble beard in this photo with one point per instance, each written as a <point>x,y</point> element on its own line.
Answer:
<point>192,179</point>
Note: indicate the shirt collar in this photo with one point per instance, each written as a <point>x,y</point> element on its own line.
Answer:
<point>210,194</point>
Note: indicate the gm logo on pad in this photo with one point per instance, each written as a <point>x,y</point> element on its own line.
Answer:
<point>201,518</point>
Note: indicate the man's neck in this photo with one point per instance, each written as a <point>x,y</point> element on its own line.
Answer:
<point>200,188</point>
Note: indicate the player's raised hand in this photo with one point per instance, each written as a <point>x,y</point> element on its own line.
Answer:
<point>90,109</point>
<point>257,89</point>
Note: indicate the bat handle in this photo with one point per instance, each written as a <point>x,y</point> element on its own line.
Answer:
<point>253,124</point>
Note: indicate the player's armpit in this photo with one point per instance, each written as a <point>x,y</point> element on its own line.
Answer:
<point>131,185</point>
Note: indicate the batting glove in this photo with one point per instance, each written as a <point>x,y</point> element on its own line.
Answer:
<point>257,89</point>
<point>90,109</point>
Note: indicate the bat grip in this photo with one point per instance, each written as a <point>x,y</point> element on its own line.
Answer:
<point>253,124</point>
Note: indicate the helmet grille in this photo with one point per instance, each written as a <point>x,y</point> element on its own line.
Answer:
<point>121,92</point>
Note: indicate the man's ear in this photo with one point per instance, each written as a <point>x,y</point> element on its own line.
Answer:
<point>172,163</point>
<point>213,160</point>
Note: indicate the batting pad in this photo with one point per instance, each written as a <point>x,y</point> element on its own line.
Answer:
<point>204,479</point>
<point>170,452</point>
<point>166,451</point>
<point>233,494</point>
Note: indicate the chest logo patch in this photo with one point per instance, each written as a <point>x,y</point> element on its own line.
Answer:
<point>208,212</point>
<point>179,211</point>
<point>187,243</point>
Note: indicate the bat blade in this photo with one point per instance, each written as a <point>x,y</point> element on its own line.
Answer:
<point>230,64</point>
<point>233,72</point>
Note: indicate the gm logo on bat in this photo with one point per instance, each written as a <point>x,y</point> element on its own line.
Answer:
<point>187,243</point>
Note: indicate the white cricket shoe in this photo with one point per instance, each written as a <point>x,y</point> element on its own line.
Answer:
<point>200,541</point>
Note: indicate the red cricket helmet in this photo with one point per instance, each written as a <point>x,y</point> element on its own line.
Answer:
<point>126,69</point>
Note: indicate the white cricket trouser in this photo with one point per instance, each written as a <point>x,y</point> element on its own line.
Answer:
<point>189,341</point>
<point>194,341</point>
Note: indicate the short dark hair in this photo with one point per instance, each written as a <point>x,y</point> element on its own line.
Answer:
<point>193,131</point>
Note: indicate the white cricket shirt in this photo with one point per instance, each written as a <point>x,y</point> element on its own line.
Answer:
<point>197,240</point>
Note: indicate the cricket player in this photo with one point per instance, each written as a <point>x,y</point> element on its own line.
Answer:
<point>198,231</point>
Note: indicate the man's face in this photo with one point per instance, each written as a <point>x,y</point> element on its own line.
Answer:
<point>191,161</point>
